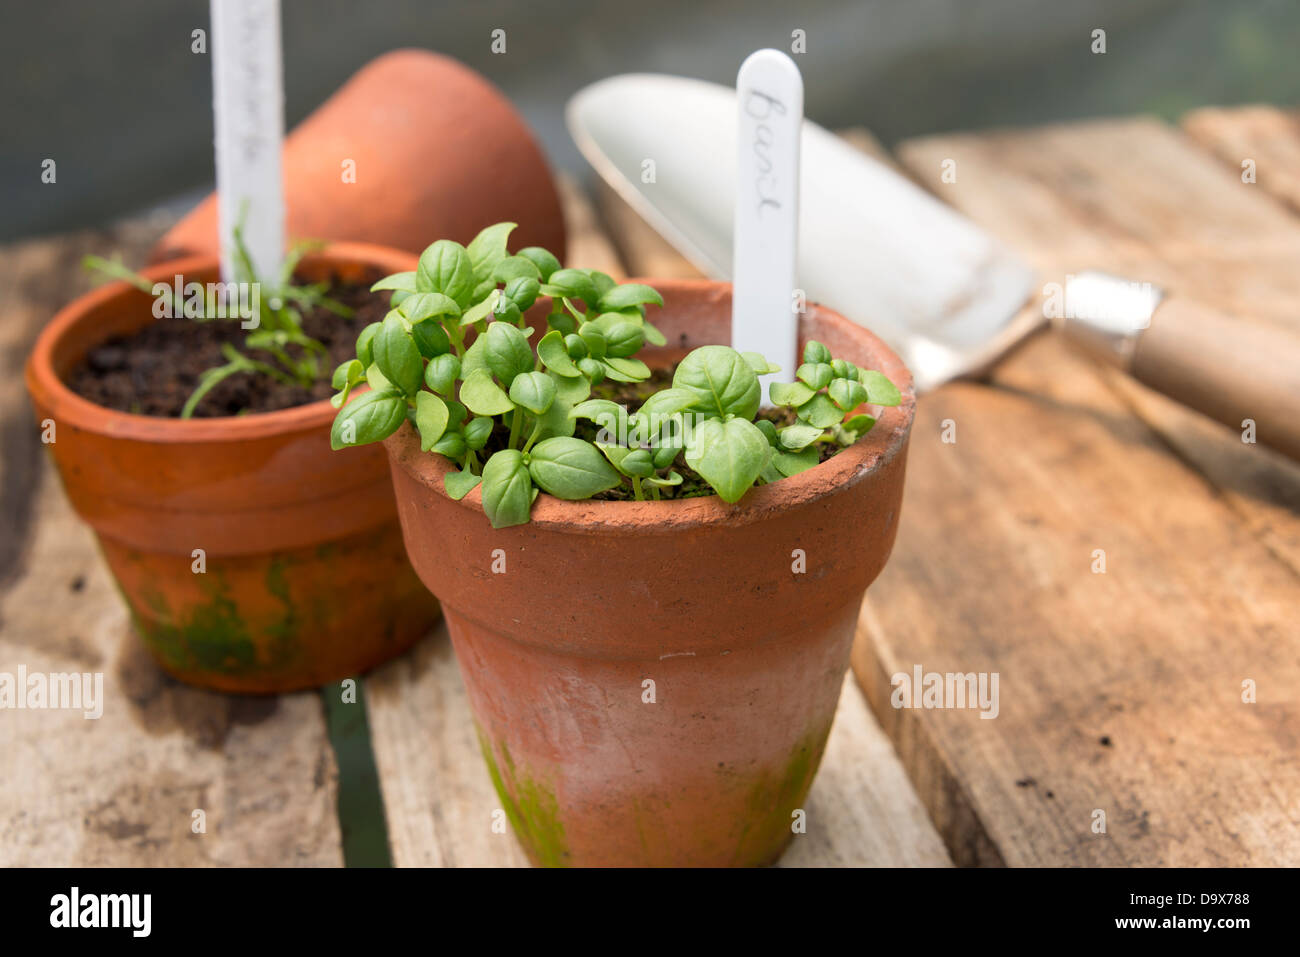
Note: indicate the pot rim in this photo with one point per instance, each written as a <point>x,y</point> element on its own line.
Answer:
<point>887,438</point>
<point>48,391</point>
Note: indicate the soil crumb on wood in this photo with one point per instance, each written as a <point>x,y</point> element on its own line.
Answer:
<point>154,371</point>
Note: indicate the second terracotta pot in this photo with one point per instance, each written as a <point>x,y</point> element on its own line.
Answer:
<point>251,556</point>
<point>654,682</point>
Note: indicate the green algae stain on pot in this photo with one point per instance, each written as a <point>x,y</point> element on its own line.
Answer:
<point>530,806</point>
<point>215,635</point>
<point>773,799</point>
<point>283,632</point>
<point>209,636</point>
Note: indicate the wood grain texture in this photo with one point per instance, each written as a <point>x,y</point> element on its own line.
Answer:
<point>1121,692</point>
<point>121,790</point>
<point>1268,136</point>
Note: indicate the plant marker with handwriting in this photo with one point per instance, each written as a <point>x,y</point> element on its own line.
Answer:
<point>248,115</point>
<point>769,92</point>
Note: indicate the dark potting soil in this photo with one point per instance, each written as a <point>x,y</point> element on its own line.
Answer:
<point>154,371</point>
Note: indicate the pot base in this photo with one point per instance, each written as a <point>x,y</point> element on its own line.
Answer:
<point>275,622</point>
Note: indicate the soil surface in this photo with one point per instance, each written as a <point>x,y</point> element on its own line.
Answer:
<point>154,371</point>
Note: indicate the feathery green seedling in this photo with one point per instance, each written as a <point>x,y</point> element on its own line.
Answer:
<point>288,354</point>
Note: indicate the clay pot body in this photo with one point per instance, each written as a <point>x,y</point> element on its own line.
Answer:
<point>654,682</point>
<point>252,557</point>
<point>438,153</point>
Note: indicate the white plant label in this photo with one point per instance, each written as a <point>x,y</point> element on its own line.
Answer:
<point>769,93</point>
<point>248,113</point>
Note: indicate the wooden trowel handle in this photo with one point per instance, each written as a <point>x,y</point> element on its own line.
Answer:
<point>1231,369</point>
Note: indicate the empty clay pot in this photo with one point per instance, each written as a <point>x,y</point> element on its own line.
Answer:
<point>437,151</point>
<point>654,682</point>
<point>302,578</point>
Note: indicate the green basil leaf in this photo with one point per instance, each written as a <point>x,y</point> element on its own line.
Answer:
<point>570,468</point>
<point>477,432</point>
<point>571,389</point>
<point>758,362</point>
<point>860,424</point>
<point>347,374</point>
<point>593,339</point>
<point>625,369</point>
<point>628,295</point>
<point>452,445</point>
<point>793,394</point>
<point>481,309</point>
<point>441,372</point>
<point>847,394</point>
<point>551,350</point>
<point>431,339</point>
<point>665,455</point>
<point>397,356</point>
<point>377,380</point>
<point>792,463</point>
<point>522,292</point>
<point>818,375</point>
<point>460,484</point>
<point>573,284</point>
<point>798,437</point>
<point>365,340</point>
<point>402,281</point>
<point>639,462</point>
<point>880,391</point>
<point>445,267</point>
<point>371,417</point>
<point>721,381</point>
<point>653,335</point>
<point>430,418</point>
<point>516,267</point>
<point>623,338</point>
<point>488,249</point>
<point>592,369</point>
<point>821,412</point>
<point>729,454</point>
<point>506,351</point>
<point>506,311</point>
<point>602,281</point>
<point>545,262</point>
<point>482,396</point>
<point>535,391</point>
<point>814,352</point>
<point>667,481</point>
<point>426,305</point>
<point>507,489</point>
<point>769,431</point>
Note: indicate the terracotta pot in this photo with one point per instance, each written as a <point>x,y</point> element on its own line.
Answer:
<point>746,651</point>
<point>438,151</point>
<point>306,580</point>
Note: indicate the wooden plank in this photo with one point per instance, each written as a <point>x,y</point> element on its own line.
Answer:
<point>1122,691</point>
<point>1137,198</point>
<point>123,789</point>
<point>439,799</point>
<point>1263,134</point>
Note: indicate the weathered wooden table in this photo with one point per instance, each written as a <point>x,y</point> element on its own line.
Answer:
<point>1120,692</point>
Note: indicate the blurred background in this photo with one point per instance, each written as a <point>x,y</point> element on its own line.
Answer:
<point>113,91</point>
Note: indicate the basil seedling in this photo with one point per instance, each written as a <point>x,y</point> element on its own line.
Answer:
<point>455,359</point>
